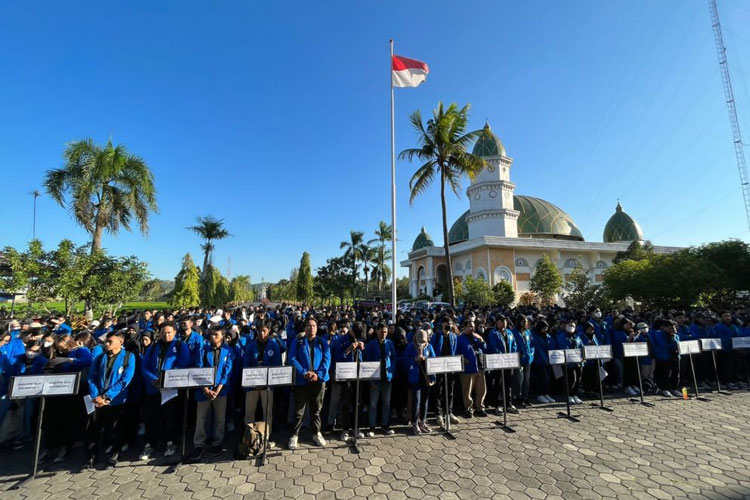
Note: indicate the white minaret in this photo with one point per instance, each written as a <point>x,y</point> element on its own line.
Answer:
<point>491,211</point>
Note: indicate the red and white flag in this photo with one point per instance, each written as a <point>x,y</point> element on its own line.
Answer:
<point>408,72</point>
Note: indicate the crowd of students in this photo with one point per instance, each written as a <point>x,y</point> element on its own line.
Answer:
<point>121,359</point>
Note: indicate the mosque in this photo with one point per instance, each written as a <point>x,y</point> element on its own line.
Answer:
<point>504,235</point>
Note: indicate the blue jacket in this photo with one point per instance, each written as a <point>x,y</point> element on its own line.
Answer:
<point>436,341</point>
<point>501,342</point>
<point>204,358</point>
<point>412,367</point>
<point>372,353</point>
<point>116,388</point>
<point>176,357</point>
<point>665,349</point>
<point>299,358</point>
<point>726,333</point>
<point>464,348</point>
<point>525,346</point>
<point>541,345</point>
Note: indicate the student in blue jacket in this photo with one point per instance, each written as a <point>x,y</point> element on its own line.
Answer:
<point>217,355</point>
<point>473,386</point>
<point>263,350</point>
<point>166,354</point>
<point>109,377</point>
<point>382,350</point>
<point>420,383</point>
<point>311,358</point>
<point>444,342</point>
<point>666,344</point>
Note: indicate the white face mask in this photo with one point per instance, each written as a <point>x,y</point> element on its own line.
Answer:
<point>598,314</point>
<point>570,329</point>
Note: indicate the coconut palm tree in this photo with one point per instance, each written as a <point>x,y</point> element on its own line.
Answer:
<point>210,229</point>
<point>383,234</point>
<point>444,149</point>
<point>353,252</point>
<point>105,188</point>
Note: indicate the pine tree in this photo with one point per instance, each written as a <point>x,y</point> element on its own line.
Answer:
<point>186,291</point>
<point>547,281</point>
<point>304,279</point>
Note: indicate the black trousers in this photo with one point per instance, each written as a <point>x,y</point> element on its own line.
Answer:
<point>309,394</point>
<point>165,417</point>
<point>109,420</point>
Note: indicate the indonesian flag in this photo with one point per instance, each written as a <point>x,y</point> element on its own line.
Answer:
<point>408,72</point>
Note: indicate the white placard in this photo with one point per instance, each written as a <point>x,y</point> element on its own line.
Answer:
<point>635,349</point>
<point>346,371</point>
<point>280,375</point>
<point>31,386</point>
<point>741,343</point>
<point>597,351</point>
<point>182,378</point>
<point>711,344</point>
<point>369,370</point>
<point>556,356</point>
<point>445,364</point>
<point>500,361</point>
<point>690,347</point>
<point>255,377</point>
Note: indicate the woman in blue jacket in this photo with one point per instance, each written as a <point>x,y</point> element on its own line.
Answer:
<point>416,356</point>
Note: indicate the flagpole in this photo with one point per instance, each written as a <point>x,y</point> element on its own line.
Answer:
<point>393,196</point>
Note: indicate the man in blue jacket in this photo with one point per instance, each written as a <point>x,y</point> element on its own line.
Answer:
<point>109,377</point>
<point>444,342</point>
<point>382,350</point>
<point>166,354</point>
<point>214,354</point>
<point>311,358</point>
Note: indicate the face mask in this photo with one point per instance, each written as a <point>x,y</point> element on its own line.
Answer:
<point>570,329</point>
<point>597,315</point>
<point>32,354</point>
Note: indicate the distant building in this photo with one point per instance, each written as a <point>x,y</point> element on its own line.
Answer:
<point>503,235</point>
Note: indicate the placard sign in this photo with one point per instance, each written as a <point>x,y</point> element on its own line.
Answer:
<point>502,361</point>
<point>255,377</point>
<point>635,349</point>
<point>346,371</point>
<point>597,351</point>
<point>183,378</point>
<point>741,343</point>
<point>369,370</point>
<point>711,344</point>
<point>445,364</point>
<point>690,347</point>
<point>34,386</point>
<point>280,375</point>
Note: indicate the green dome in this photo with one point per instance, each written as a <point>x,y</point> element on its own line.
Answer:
<point>621,227</point>
<point>488,144</point>
<point>423,240</point>
<point>537,219</point>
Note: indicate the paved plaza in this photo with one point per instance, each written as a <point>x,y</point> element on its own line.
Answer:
<point>677,449</point>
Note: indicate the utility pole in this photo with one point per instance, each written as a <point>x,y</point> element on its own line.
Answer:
<point>36,194</point>
<point>739,151</point>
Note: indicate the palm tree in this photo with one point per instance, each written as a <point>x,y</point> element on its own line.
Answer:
<point>108,188</point>
<point>444,145</point>
<point>383,233</point>
<point>353,253</point>
<point>210,229</point>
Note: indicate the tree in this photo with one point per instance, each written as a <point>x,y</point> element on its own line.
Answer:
<point>352,253</point>
<point>186,291</point>
<point>241,290</point>
<point>503,294</point>
<point>305,280</point>
<point>107,187</point>
<point>444,145</point>
<point>580,292</point>
<point>210,229</point>
<point>383,234</point>
<point>477,292</point>
<point>546,282</point>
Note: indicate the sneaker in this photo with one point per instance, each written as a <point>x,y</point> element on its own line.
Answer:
<point>170,450</point>
<point>424,427</point>
<point>577,400</point>
<point>388,431</point>
<point>550,399</point>
<point>147,452</point>
<point>293,443</point>
<point>113,459</point>
<point>454,419</point>
<point>62,454</point>
<point>676,394</point>
<point>345,437</point>
<point>666,393</point>
<point>542,399</point>
<point>440,421</point>
<point>319,440</point>
<point>371,433</point>
<point>415,429</point>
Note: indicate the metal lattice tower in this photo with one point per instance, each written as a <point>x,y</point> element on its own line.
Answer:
<point>739,150</point>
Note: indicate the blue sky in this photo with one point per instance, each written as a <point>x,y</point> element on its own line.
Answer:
<point>274,116</point>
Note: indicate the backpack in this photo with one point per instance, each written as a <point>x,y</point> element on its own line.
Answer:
<point>251,442</point>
